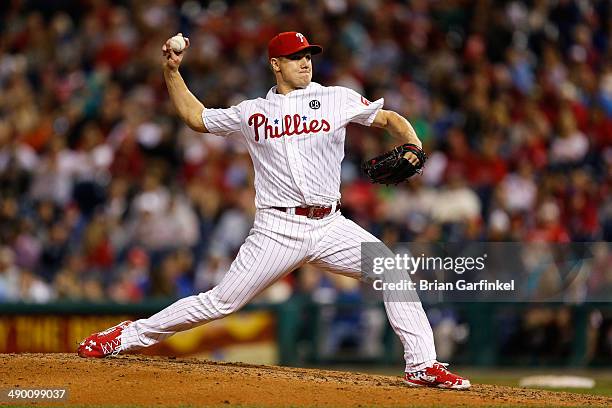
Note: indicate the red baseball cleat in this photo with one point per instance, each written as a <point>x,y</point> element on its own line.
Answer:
<point>436,376</point>
<point>103,344</point>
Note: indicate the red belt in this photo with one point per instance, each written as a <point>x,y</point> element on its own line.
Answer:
<point>315,212</point>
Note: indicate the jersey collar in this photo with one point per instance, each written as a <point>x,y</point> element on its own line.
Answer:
<point>272,92</point>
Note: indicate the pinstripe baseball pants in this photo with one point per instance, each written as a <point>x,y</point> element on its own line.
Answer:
<point>277,244</point>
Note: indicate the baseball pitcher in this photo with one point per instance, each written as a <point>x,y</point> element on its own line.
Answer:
<point>295,137</point>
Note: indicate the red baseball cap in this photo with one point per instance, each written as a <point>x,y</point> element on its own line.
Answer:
<point>290,42</point>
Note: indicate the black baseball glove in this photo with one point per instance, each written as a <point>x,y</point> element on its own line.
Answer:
<point>392,167</point>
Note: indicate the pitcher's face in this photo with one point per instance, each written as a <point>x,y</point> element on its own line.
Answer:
<point>295,70</point>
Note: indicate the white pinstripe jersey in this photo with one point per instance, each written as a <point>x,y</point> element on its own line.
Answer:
<point>296,141</point>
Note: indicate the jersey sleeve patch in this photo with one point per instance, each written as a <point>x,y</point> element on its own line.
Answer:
<point>360,109</point>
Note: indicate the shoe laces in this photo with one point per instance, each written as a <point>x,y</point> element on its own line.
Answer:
<point>116,351</point>
<point>435,366</point>
<point>442,366</point>
<point>110,345</point>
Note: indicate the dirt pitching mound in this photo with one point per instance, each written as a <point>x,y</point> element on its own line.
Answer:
<point>154,381</point>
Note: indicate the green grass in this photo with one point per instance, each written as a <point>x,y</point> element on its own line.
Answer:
<point>511,377</point>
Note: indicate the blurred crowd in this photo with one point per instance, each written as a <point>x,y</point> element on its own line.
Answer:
<point>106,195</point>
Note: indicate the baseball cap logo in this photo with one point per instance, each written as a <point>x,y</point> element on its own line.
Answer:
<point>290,42</point>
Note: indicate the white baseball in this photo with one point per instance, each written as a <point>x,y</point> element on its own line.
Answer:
<point>177,43</point>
